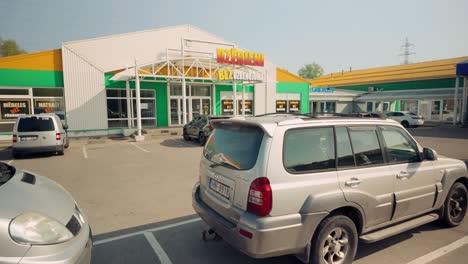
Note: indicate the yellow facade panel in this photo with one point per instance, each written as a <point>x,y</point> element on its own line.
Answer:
<point>285,76</point>
<point>423,70</point>
<point>50,60</point>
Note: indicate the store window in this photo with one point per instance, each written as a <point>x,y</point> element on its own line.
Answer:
<point>327,107</point>
<point>288,103</point>
<point>448,110</point>
<point>227,103</point>
<point>409,105</point>
<point>117,108</point>
<point>15,102</point>
<point>49,100</point>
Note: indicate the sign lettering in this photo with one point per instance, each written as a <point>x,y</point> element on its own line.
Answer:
<point>229,74</point>
<point>239,57</point>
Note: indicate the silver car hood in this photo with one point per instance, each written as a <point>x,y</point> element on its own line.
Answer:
<point>44,196</point>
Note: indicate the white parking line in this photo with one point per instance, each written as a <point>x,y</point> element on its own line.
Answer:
<point>163,258</point>
<point>107,240</point>
<point>85,153</point>
<point>440,252</point>
<point>142,149</point>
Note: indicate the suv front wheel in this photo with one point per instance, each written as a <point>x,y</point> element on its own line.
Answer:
<point>455,205</point>
<point>335,241</point>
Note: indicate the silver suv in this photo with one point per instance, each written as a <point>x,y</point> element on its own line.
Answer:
<point>313,187</point>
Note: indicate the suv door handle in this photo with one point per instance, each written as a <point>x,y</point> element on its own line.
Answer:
<point>403,175</point>
<point>353,182</point>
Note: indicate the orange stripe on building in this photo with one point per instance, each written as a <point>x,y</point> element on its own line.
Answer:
<point>50,60</point>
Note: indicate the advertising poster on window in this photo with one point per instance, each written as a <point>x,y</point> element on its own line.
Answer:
<point>11,109</point>
<point>227,107</point>
<point>49,106</point>
<point>280,106</point>
<point>247,107</point>
<point>294,105</point>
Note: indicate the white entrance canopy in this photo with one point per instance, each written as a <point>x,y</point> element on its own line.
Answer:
<point>191,66</point>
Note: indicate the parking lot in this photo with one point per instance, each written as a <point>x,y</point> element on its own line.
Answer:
<point>138,199</point>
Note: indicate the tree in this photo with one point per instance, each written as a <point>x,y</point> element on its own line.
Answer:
<point>9,47</point>
<point>310,71</point>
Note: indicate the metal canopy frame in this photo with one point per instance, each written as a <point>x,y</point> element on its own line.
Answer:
<point>182,66</point>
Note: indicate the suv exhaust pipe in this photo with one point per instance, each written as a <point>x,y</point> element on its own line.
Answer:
<point>210,235</point>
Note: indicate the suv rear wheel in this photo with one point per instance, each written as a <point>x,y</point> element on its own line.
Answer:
<point>335,241</point>
<point>455,205</point>
<point>202,138</point>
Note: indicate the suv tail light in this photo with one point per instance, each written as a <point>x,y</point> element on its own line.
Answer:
<point>209,126</point>
<point>57,136</point>
<point>15,138</point>
<point>260,197</point>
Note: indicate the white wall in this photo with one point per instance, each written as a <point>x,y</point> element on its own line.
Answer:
<point>85,95</point>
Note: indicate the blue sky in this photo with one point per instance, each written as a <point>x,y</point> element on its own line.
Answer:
<point>336,34</point>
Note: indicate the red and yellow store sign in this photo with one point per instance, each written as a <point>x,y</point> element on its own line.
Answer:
<point>239,57</point>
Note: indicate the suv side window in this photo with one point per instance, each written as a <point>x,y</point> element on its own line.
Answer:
<point>366,147</point>
<point>399,146</point>
<point>344,152</point>
<point>309,150</point>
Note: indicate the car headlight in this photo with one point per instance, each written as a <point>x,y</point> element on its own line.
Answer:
<point>37,229</point>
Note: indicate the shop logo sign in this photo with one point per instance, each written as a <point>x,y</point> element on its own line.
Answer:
<point>239,57</point>
<point>229,74</point>
<point>322,90</point>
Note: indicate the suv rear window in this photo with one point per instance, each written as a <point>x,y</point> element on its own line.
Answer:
<point>234,146</point>
<point>35,124</point>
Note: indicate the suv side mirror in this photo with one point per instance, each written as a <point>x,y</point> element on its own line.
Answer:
<point>429,154</point>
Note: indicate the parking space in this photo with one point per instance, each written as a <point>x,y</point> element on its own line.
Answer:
<point>138,199</point>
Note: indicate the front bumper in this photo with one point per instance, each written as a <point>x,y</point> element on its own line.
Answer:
<point>76,251</point>
<point>272,236</point>
<point>417,122</point>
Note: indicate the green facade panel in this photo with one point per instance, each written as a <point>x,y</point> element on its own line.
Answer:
<point>293,87</point>
<point>409,85</point>
<point>30,78</point>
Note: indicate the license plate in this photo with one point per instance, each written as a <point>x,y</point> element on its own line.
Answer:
<point>28,138</point>
<point>220,188</point>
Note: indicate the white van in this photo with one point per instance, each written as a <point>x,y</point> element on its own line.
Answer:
<point>39,133</point>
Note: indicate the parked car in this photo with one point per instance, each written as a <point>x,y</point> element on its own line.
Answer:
<point>40,221</point>
<point>200,128</point>
<point>406,119</point>
<point>312,187</point>
<point>39,133</point>
<point>369,114</point>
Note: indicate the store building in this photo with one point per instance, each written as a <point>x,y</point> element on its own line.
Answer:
<point>426,88</point>
<point>97,85</point>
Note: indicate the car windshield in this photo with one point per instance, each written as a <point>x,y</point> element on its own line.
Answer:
<point>6,172</point>
<point>234,146</point>
<point>35,124</point>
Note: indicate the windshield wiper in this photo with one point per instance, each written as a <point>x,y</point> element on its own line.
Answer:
<point>224,164</point>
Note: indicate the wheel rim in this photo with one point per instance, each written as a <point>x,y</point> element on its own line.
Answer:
<point>457,204</point>
<point>336,246</point>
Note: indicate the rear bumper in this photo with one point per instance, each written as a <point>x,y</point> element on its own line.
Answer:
<point>37,149</point>
<point>272,236</point>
